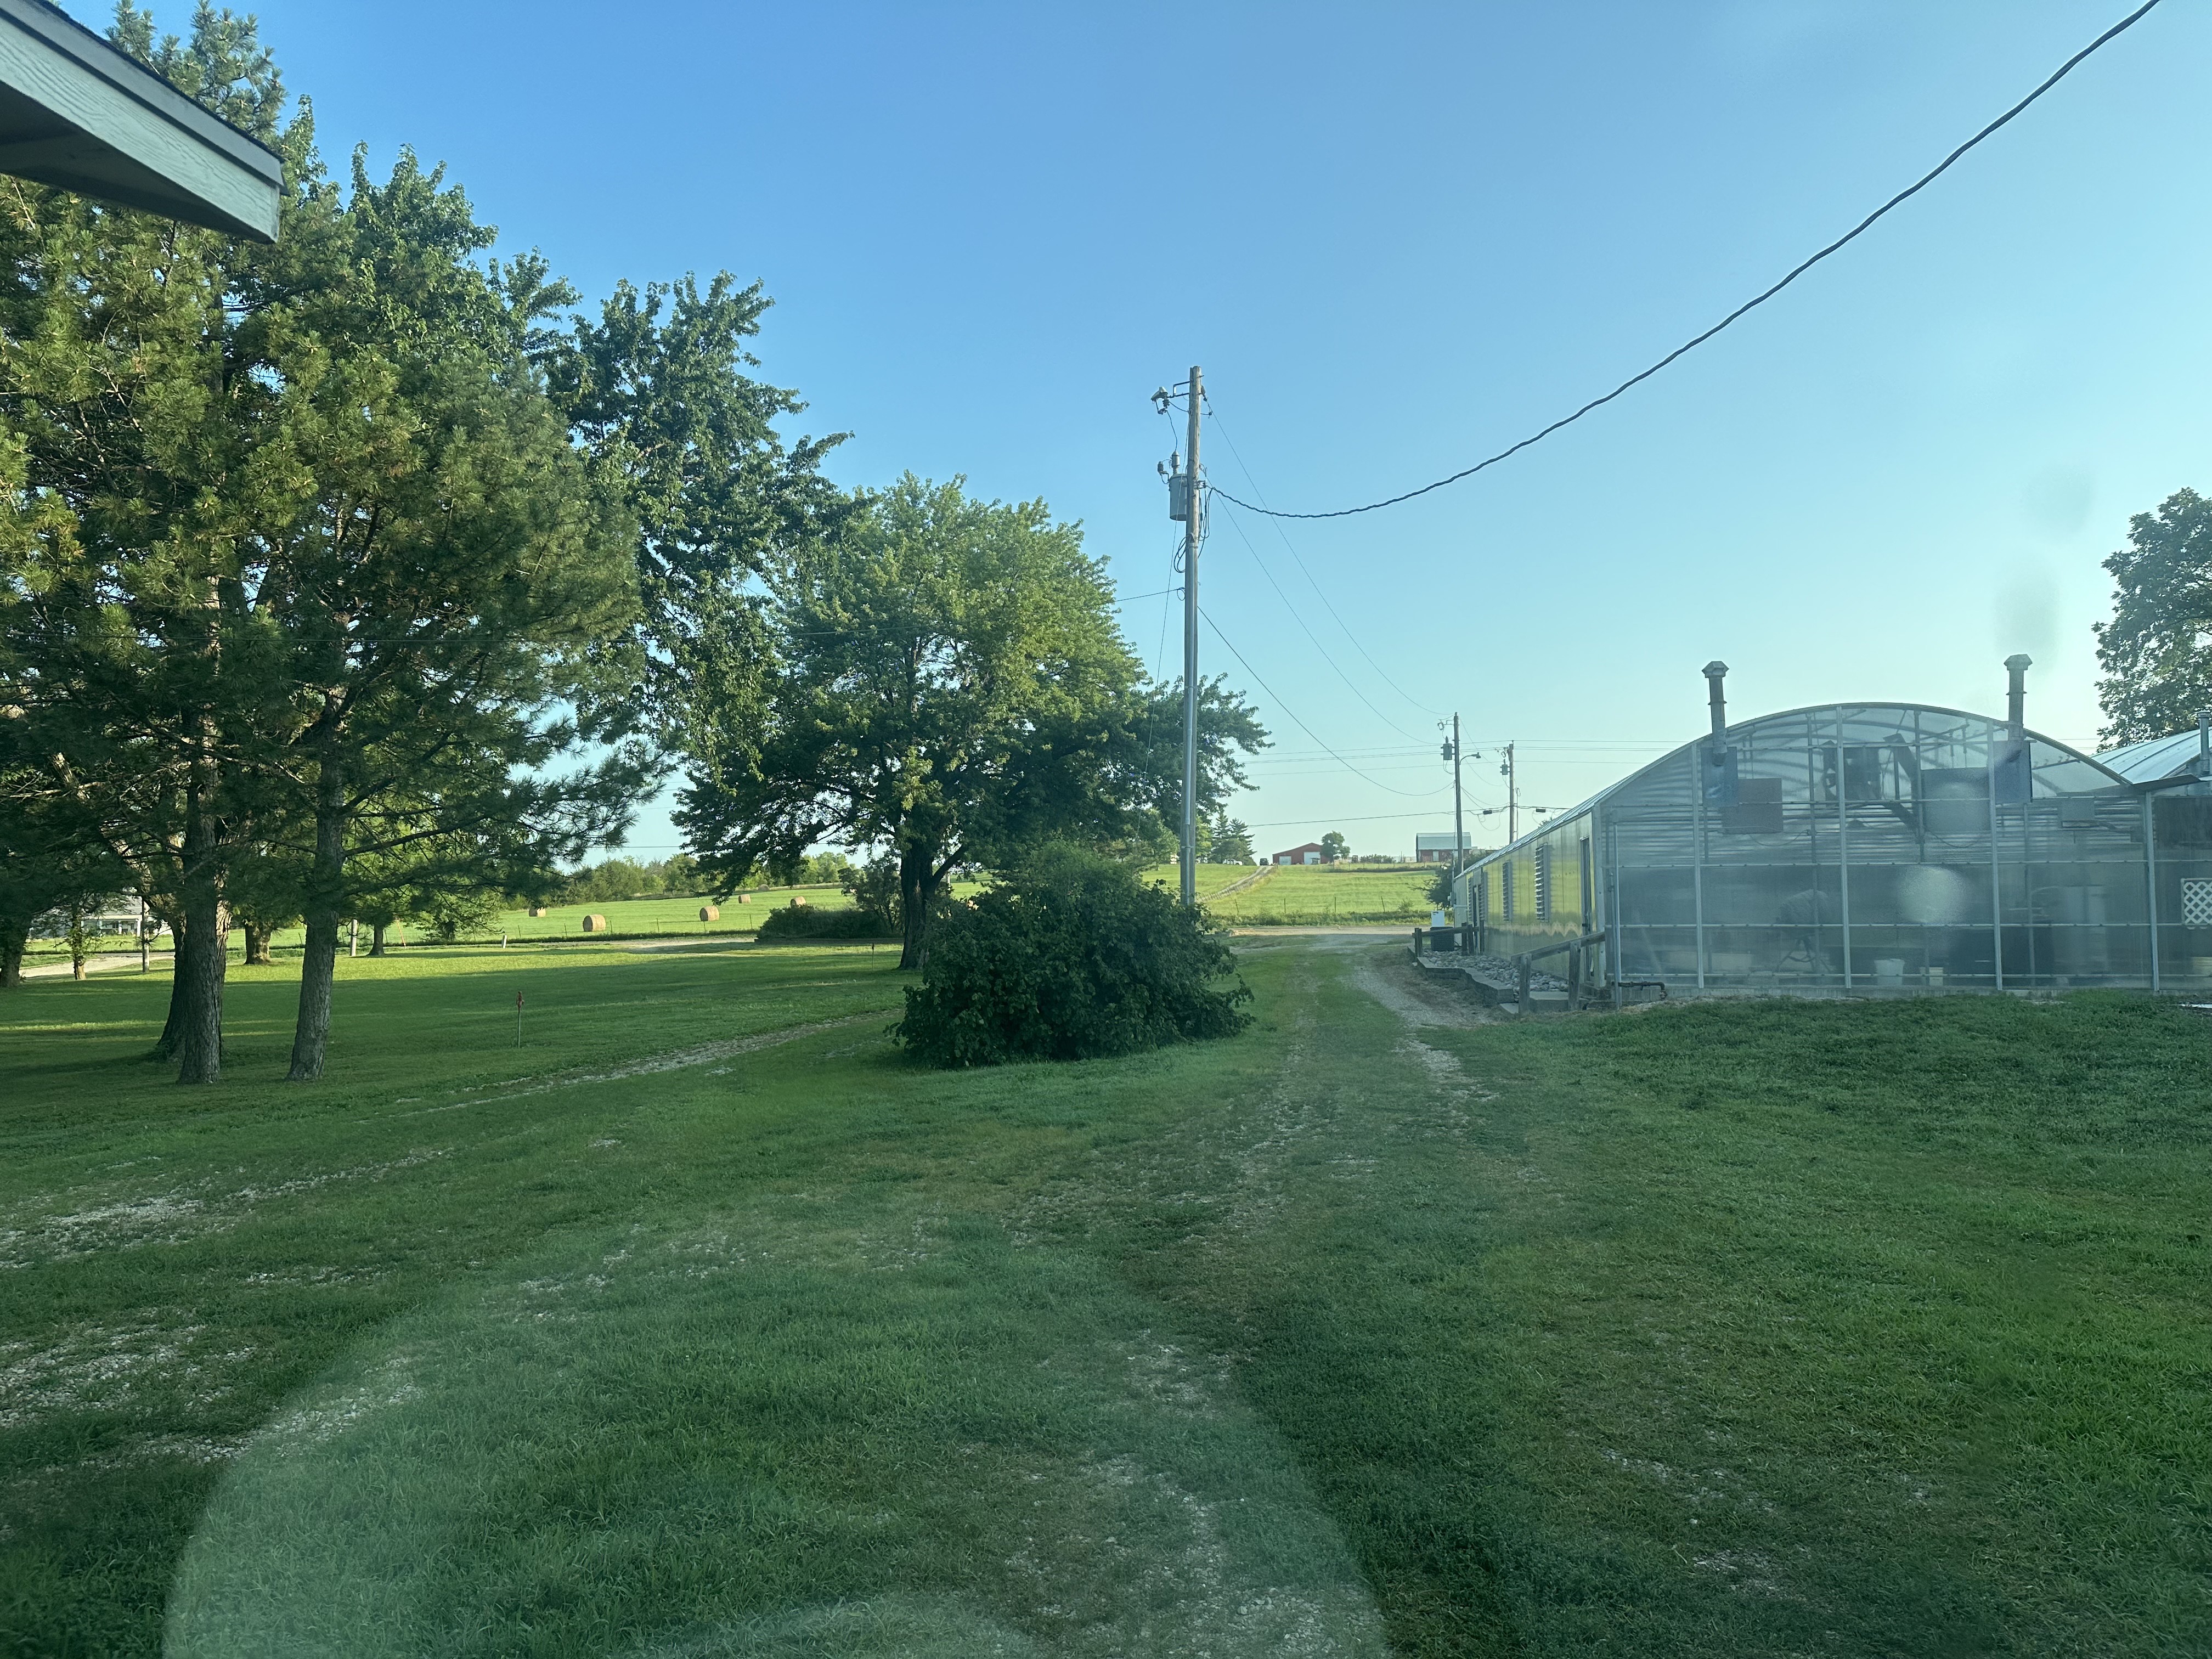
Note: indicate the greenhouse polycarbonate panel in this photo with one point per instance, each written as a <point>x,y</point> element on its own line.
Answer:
<point>1870,847</point>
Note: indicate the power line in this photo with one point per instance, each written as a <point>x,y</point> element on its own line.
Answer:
<point>1926,179</point>
<point>1409,793</point>
<point>1371,817</point>
<point>1319,593</point>
<point>1238,525</point>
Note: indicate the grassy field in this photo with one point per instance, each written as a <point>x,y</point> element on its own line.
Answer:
<point>1309,895</point>
<point>643,918</point>
<point>664,917</point>
<point>704,1325</point>
<point>1292,894</point>
<point>1317,893</point>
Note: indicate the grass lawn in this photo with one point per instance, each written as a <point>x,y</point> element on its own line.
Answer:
<point>642,918</point>
<point>702,1324</point>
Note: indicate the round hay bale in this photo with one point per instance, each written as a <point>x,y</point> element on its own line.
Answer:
<point>595,924</point>
<point>539,910</point>
<point>744,898</point>
<point>709,912</point>
<point>798,900</point>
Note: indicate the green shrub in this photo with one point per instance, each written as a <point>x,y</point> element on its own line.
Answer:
<point>1071,957</point>
<point>812,921</point>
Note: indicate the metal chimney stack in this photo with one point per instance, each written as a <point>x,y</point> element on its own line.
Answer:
<point>1715,674</point>
<point>2016,696</point>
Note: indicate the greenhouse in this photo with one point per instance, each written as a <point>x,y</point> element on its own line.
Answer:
<point>1876,847</point>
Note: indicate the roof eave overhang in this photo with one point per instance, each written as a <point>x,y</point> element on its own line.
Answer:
<point>78,114</point>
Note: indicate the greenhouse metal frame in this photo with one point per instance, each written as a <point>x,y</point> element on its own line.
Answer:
<point>1865,847</point>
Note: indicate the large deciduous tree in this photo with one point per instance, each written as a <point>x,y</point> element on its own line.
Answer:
<point>2157,649</point>
<point>942,678</point>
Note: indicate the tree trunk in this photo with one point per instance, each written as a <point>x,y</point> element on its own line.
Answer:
<point>165,1046</point>
<point>15,933</point>
<point>310,1034</point>
<point>916,889</point>
<point>376,938</point>
<point>257,943</point>
<point>203,957</point>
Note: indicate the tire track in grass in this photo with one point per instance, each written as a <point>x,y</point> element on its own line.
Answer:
<point>674,1059</point>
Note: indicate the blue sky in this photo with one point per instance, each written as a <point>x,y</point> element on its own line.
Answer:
<point>1397,238</point>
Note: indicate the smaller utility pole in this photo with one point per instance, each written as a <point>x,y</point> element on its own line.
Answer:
<point>1512,797</point>
<point>1458,817</point>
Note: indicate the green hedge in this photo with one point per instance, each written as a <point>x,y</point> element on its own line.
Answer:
<point>812,921</point>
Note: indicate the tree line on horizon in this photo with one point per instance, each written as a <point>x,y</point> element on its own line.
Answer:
<point>369,572</point>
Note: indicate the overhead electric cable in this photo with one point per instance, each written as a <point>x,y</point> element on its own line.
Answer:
<point>1319,593</point>
<point>1371,817</point>
<point>1926,179</point>
<point>1238,525</point>
<point>1409,794</point>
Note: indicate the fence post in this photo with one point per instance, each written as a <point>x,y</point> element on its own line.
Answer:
<point>1521,990</point>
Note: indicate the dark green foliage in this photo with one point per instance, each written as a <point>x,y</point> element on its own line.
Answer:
<point>2156,651</point>
<point>814,922</point>
<point>1072,957</point>
<point>1440,888</point>
<point>942,679</point>
<point>875,886</point>
<point>1224,840</point>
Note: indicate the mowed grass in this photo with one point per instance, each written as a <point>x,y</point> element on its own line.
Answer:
<point>1315,894</point>
<point>1210,881</point>
<point>706,1325</point>
<point>1307,895</point>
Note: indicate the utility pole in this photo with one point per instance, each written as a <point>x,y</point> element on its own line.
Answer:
<point>1190,538</point>
<point>1512,799</point>
<point>1183,504</point>
<point>1459,830</point>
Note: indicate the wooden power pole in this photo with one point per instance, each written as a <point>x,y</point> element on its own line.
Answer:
<point>1193,508</point>
<point>1459,815</point>
<point>1184,504</point>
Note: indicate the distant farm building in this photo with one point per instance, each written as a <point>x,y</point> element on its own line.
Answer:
<point>1872,847</point>
<point>1435,845</point>
<point>1312,853</point>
